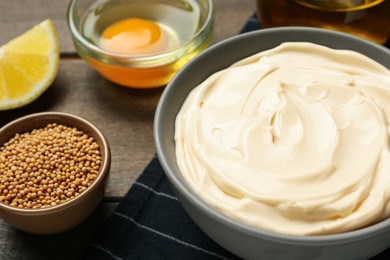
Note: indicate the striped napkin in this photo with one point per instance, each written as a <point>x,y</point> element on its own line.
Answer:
<point>150,223</point>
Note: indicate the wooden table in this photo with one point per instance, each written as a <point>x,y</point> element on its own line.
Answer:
<point>124,115</point>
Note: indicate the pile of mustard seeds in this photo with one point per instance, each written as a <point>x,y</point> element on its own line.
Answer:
<point>47,166</point>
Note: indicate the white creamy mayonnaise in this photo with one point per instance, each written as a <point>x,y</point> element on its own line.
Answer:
<point>294,140</point>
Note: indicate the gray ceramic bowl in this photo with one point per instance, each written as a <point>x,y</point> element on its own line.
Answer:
<point>71,213</point>
<point>243,240</point>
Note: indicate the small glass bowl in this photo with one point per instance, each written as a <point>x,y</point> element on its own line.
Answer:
<point>139,70</point>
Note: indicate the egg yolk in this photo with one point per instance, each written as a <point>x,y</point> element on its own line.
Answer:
<point>134,36</point>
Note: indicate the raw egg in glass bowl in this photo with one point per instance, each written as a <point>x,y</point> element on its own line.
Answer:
<point>140,44</point>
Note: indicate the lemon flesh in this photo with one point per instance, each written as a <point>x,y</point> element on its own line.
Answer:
<point>28,65</point>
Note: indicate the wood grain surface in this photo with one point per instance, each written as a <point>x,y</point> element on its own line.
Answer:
<point>124,115</point>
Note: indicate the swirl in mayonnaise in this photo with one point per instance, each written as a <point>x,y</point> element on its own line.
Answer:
<point>294,140</point>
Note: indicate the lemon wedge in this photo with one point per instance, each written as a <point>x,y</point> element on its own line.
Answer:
<point>28,65</point>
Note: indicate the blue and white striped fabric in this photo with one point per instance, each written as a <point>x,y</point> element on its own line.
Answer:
<point>150,223</point>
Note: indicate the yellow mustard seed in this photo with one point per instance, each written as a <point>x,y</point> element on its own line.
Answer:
<point>47,167</point>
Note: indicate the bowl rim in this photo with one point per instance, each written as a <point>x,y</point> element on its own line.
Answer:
<point>104,168</point>
<point>137,58</point>
<point>188,194</point>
